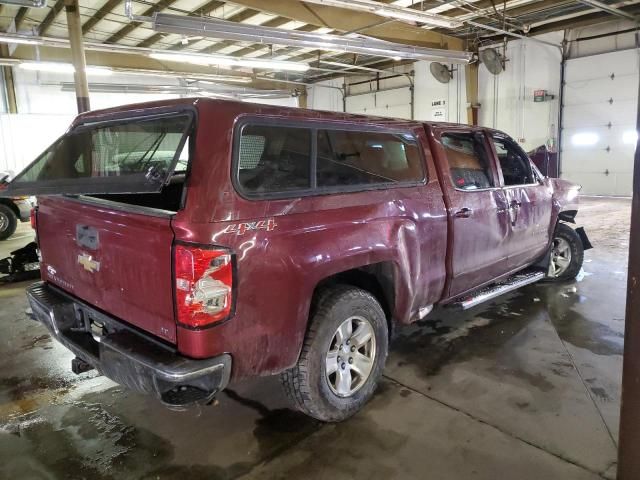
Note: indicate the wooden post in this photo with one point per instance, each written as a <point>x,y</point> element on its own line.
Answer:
<point>628,458</point>
<point>74,26</point>
<point>471,80</point>
<point>9,83</point>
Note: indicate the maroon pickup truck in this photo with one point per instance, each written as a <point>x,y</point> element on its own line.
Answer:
<point>190,243</point>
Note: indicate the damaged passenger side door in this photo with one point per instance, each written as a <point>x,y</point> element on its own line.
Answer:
<point>528,201</point>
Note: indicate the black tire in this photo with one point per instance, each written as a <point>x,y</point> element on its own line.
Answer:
<point>8,222</point>
<point>306,384</point>
<point>565,232</point>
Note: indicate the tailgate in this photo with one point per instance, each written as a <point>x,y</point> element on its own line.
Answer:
<point>117,261</point>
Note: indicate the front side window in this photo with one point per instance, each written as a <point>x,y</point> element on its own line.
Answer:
<point>469,164</point>
<point>347,158</point>
<point>515,165</point>
<point>274,159</point>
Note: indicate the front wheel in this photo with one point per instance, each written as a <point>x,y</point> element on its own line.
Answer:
<point>567,254</point>
<point>342,357</point>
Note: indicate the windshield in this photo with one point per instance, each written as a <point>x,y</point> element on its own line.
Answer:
<point>135,155</point>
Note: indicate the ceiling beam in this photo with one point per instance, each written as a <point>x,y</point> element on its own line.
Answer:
<point>577,22</point>
<point>261,46</point>
<point>275,23</point>
<point>609,9</point>
<point>153,39</point>
<point>102,12</point>
<point>205,9</point>
<point>131,26</point>
<point>22,12</point>
<point>338,19</point>
<point>239,17</point>
<point>51,16</point>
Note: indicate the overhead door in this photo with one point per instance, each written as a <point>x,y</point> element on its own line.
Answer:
<point>599,122</point>
<point>395,103</point>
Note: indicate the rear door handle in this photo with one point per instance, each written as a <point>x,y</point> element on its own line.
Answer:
<point>464,213</point>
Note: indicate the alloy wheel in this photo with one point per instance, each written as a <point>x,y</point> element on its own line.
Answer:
<point>351,356</point>
<point>560,257</point>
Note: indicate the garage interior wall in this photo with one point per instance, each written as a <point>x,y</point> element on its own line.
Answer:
<point>506,102</point>
<point>506,99</point>
<point>600,104</point>
<point>392,97</point>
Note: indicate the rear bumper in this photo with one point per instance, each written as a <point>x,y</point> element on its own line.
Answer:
<point>125,355</point>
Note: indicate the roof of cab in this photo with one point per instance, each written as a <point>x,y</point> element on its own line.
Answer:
<point>204,104</point>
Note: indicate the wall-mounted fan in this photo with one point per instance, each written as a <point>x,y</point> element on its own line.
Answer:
<point>441,72</point>
<point>493,60</point>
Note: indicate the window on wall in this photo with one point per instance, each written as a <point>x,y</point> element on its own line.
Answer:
<point>272,159</point>
<point>469,164</point>
<point>347,158</point>
<point>515,165</point>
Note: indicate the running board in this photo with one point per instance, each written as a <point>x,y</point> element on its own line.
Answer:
<point>489,293</point>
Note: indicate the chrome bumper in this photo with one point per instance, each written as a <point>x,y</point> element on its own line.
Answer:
<point>124,354</point>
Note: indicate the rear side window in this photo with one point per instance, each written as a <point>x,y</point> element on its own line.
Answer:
<point>278,160</point>
<point>115,150</point>
<point>347,158</point>
<point>136,154</point>
<point>468,160</point>
<point>274,159</point>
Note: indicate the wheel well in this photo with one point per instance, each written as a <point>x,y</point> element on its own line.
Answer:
<point>377,279</point>
<point>11,205</point>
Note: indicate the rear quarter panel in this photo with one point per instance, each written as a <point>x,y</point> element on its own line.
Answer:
<point>309,239</point>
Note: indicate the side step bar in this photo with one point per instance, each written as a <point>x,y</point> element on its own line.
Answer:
<point>489,293</point>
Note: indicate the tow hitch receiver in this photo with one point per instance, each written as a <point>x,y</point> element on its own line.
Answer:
<point>79,366</point>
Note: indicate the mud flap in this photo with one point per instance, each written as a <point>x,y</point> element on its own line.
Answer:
<point>586,244</point>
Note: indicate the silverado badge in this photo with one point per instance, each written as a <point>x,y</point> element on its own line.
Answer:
<point>89,264</point>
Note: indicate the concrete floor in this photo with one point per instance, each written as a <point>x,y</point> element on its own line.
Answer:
<point>527,387</point>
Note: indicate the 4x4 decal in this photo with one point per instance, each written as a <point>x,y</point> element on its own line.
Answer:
<point>242,228</point>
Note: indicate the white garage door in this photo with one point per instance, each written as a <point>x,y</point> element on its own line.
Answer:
<point>599,134</point>
<point>388,103</point>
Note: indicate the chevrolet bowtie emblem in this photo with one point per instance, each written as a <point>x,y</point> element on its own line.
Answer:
<point>89,264</point>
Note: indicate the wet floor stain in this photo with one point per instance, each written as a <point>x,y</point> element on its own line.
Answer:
<point>451,336</point>
<point>17,388</point>
<point>40,341</point>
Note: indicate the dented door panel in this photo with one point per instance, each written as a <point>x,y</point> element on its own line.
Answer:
<point>478,224</point>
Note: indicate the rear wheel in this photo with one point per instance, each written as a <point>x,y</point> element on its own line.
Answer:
<point>8,222</point>
<point>567,254</point>
<point>342,357</point>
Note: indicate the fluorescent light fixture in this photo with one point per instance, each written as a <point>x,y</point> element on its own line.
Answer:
<point>630,137</point>
<point>208,60</point>
<point>26,3</point>
<point>20,41</point>
<point>54,67</point>
<point>360,44</point>
<point>224,78</point>
<point>393,11</point>
<point>585,139</point>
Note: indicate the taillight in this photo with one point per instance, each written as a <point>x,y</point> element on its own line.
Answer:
<point>33,218</point>
<point>204,285</point>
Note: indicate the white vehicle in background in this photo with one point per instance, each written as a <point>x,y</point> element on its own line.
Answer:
<point>13,209</point>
